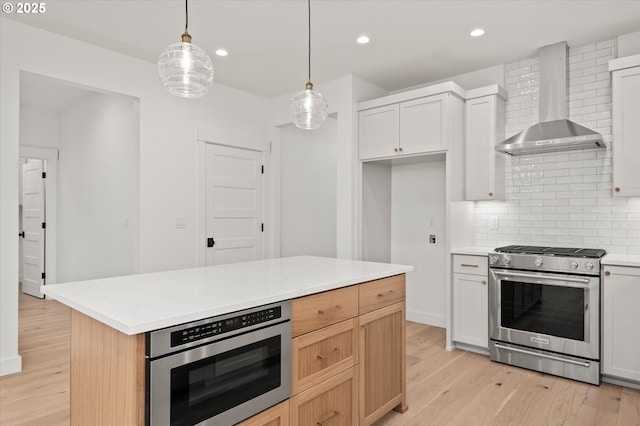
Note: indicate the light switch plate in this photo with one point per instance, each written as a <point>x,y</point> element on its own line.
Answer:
<point>181,222</point>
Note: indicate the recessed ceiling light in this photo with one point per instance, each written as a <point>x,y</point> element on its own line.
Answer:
<point>221,52</point>
<point>477,32</point>
<point>363,39</point>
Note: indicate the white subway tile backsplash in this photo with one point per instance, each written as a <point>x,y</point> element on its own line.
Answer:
<point>562,198</point>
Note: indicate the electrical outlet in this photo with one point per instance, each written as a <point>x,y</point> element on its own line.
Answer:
<point>432,239</point>
<point>432,222</point>
<point>494,222</point>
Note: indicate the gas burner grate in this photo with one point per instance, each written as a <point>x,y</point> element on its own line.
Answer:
<point>553,251</point>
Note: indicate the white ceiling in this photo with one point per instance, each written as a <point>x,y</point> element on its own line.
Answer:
<point>412,42</point>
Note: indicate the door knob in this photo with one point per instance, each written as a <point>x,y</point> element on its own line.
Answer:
<point>210,242</point>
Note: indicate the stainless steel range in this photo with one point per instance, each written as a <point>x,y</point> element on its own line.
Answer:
<point>544,310</point>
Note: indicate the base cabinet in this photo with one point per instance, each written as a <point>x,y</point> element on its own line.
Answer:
<point>470,305</point>
<point>620,320</point>
<point>382,363</point>
<point>278,415</point>
<point>331,403</point>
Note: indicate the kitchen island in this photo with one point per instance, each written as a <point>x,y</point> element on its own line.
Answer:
<point>110,317</point>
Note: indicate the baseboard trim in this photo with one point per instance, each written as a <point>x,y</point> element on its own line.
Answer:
<point>10,365</point>
<point>426,318</point>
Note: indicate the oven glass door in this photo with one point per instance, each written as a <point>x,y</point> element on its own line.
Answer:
<point>546,311</point>
<point>223,382</point>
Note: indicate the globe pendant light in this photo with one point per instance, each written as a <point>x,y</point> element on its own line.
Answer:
<point>308,109</point>
<point>184,68</point>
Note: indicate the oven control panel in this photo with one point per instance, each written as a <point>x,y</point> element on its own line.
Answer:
<point>216,328</point>
<point>545,263</point>
<point>212,329</point>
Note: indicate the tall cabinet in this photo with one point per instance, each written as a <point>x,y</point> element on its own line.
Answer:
<point>484,128</point>
<point>412,166</point>
<point>625,81</point>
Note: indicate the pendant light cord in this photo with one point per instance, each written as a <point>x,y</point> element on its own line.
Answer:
<point>309,27</point>
<point>186,14</point>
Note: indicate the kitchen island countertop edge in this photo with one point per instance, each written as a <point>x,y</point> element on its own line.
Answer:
<point>139,303</point>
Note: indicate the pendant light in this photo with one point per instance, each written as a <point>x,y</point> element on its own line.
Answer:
<point>308,109</point>
<point>184,68</point>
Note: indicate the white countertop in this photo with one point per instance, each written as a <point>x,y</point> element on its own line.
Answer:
<point>621,260</point>
<point>138,303</point>
<point>473,250</point>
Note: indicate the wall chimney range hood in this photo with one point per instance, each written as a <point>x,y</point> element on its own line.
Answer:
<point>554,132</point>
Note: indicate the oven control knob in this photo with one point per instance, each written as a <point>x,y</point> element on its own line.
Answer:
<point>493,259</point>
<point>538,261</point>
<point>574,265</point>
<point>506,260</point>
<point>588,266</point>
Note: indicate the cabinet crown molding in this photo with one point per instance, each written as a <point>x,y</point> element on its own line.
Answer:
<point>446,87</point>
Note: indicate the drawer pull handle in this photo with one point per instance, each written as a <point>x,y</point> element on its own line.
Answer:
<point>328,419</point>
<point>386,293</point>
<point>328,354</point>
<point>468,265</point>
<point>484,282</point>
<point>607,273</point>
<point>330,310</point>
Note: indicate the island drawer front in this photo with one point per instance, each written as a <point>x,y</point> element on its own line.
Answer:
<point>322,309</point>
<point>474,265</point>
<point>380,293</point>
<point>278,415</point>
<point>318,355</point>
<point>333,402</point>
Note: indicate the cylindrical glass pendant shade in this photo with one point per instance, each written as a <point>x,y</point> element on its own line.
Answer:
<point>308,109</point>
<point>185,70</point>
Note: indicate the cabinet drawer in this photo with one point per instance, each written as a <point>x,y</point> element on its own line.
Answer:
<point>380,293</point>
<point>466,264</point>
<point>321,354</point>
<point>320,310</point>
<point>278,415</point>
<point>331,403</point>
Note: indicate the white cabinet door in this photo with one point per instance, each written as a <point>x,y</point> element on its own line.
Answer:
<point>470,310</point>
<point>424,125</point>
<point>626,132</point>
<point>621,322</point>
<point>484,165</point>
<point>379,132</point>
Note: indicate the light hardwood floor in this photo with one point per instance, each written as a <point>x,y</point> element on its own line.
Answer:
<point>444,388</point>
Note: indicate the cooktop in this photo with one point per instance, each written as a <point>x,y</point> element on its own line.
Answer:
<point>553,251</point>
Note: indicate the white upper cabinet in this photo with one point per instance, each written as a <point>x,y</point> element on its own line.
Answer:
<point>379,131</point>
<point>625,75</point>
<point>424,125</point>
<point>409,123</point>
<point>484,128</point>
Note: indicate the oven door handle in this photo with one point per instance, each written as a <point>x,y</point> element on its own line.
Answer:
<point>584,281</point>
<point>554,358</point>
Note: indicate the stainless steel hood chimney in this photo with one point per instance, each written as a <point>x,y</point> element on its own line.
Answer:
<point>554,132</point>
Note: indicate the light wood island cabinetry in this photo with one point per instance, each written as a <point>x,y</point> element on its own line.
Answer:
<point>350,372</point>
<point>348,362</point>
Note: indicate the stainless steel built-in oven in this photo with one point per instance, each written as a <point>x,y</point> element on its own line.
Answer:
<point>544,310</point>
<point>221,370</point>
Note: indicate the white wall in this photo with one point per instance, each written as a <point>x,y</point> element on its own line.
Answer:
<point>376,212</point>
<point>38,127</point>
<point>342,96</point>
<point>168,153</point>
<point>98,184</point>
<point>308,188</point>
<point>418,205</point>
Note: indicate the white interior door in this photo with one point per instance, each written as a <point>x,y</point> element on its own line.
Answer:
<point>234,205</point>
<point>33,218</point>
